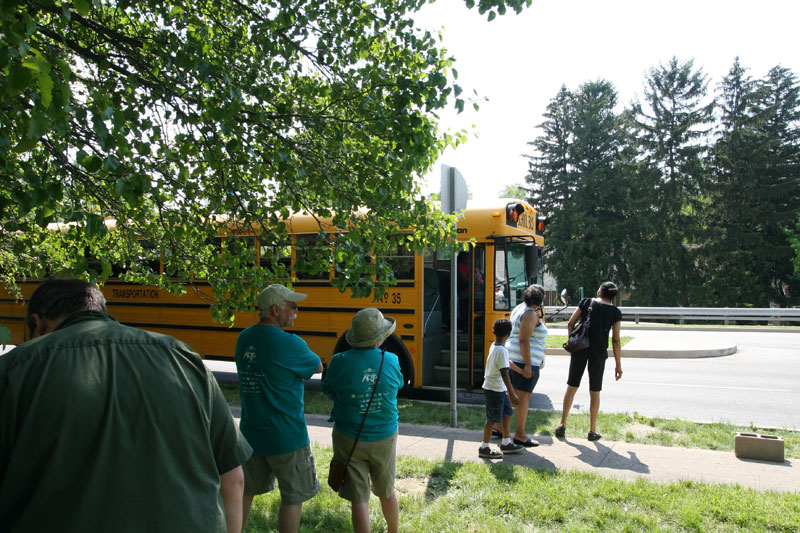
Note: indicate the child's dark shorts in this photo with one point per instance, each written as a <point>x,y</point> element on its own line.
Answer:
<point>497,405</point>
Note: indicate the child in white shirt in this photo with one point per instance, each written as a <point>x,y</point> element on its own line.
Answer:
<point>499,394</point>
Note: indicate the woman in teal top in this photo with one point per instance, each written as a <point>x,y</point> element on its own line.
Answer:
<point>350,380</point>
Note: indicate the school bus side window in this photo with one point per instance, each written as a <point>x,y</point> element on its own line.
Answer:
<point>339,253</point>
<point>277,257</point>
<point>401,260</point>
<point>312,259</point>
<point>149,259</point>
<point>151,256</point>
<point>242,246</point>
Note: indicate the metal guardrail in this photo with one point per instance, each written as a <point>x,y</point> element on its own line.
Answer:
<point>723,314</point>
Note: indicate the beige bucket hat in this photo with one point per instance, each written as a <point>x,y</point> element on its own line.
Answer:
<point>369,327</point>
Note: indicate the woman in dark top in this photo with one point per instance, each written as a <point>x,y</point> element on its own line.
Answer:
<point>604,317</point>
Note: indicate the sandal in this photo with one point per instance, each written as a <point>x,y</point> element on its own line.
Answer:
<point>561,431</point>
<point>530,443</point>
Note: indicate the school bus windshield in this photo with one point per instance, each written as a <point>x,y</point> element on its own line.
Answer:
<point>516,267</point>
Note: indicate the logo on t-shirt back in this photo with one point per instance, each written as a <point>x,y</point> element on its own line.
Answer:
<point>250,353</point>
<point>370,374</point>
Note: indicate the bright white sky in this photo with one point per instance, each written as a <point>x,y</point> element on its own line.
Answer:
<point>519,62</point>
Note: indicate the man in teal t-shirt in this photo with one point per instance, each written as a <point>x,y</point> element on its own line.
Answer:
<point>272,365</point>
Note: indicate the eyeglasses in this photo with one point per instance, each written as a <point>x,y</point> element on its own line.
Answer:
<point>292,305</point>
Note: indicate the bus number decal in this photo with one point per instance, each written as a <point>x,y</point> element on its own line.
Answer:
<point>393,297</point>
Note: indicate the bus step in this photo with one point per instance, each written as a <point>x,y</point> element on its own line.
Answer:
<point>441,374</point>
<point>462,357</point>
<point>460,337</point>
<point>446,388</point>
<point>459,368</point>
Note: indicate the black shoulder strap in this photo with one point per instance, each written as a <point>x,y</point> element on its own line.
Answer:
<point>588,316</point>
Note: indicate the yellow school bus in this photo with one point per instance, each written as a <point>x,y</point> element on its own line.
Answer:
<point>491,276</point>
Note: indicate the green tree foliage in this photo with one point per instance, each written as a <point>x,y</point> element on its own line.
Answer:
<point>754,191</point>
<point>515,190</point>
<point>580,179</point>
<point>549,179</point>
<point>793,234</point>
<point>175,117</point>
<point>645,198</point>
<point>672,126</point>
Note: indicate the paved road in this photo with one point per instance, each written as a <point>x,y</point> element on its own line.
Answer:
<point>759,384</point>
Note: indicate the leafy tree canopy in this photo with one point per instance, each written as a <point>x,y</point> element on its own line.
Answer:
<point>170,116</point>
<point>513,190</point>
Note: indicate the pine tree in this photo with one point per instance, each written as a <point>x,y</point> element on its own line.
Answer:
<point>548,177</point>
<point>578,174</point>
<point>672,128</point>
<point>753,191</point>
<point>779,103</point>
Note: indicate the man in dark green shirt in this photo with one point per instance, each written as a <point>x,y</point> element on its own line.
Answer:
<point>104,427</point>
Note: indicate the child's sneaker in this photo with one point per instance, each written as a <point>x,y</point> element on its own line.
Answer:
<point>488,453</point>
<point>511,448</point>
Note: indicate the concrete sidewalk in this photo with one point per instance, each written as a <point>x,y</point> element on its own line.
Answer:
<point>608,458</point>
<point>614,459</point>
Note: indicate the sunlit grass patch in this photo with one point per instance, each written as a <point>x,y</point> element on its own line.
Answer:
<point>557,341</point>
<point>454,497</point>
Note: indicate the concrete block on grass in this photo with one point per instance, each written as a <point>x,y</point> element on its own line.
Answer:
<point>756,446</point>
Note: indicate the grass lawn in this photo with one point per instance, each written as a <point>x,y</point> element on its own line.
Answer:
<point>628,427</point>
<point>557,341</point>
<point>472,497</point>
<point>441,496</point>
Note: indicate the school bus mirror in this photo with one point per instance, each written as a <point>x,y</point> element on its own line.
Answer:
<point>541,223</point>
<point>513,211</point>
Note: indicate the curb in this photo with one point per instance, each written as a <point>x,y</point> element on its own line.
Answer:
<point>718,329</point>
<point>663,354</point>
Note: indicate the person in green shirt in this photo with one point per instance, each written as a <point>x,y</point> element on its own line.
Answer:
<point>105,427</point>
<point>272,364</point>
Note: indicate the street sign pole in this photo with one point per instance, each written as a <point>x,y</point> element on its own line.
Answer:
<point>454,199</point>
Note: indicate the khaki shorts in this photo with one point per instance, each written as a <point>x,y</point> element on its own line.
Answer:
<point>295,471</point>
<point>373,461</point>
